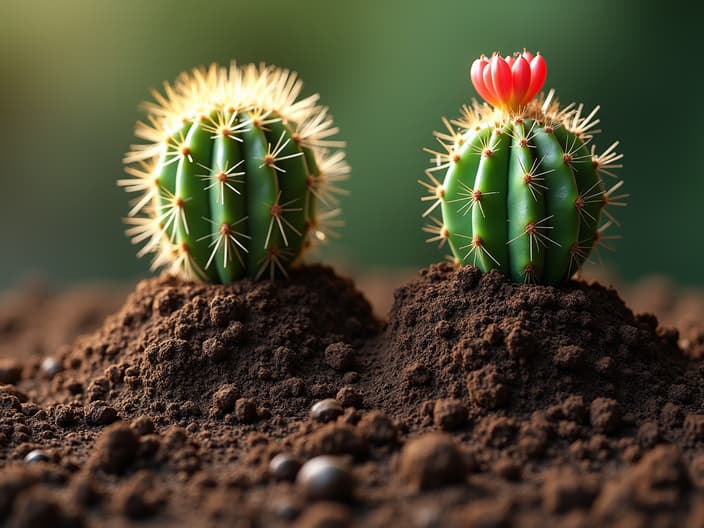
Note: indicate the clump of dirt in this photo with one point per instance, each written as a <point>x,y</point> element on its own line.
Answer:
<point>482,403</point>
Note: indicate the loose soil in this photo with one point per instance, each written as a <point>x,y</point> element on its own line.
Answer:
<point>479,403</point>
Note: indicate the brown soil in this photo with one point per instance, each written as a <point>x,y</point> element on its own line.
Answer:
<point>480,403</point>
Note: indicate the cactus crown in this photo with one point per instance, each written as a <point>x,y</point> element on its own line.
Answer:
<point>522,190</point>
<point>237,175</point>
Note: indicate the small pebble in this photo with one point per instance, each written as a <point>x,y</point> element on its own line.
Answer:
<point>50,367</point>
<point>284,467</point>
<point>326,478</point>
<point>37,455</point>
<point>326,410</point>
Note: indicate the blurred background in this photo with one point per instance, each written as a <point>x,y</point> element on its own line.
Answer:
<point>72,73</point>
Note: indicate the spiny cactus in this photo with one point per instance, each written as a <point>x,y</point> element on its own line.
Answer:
<point>523,190</point>
<point>237,176</point>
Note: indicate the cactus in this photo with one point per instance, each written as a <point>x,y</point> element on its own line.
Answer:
<point>523,191</point>
<point>238,175</point>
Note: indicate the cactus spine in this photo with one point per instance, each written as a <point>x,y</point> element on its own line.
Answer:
<point>238,175</point>
<point>522,191</point>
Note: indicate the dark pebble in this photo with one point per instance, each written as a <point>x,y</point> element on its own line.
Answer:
<point>284,467</point>
<point>37,455</point>
<point>326,478</point>
<point>326,410</point>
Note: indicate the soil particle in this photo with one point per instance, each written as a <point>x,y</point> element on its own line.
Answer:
<point>604,414</point>
<point>449,414</point>
<point>116,448</point>
<point>333,439</point>
<point>138,497</point>
<point>350,397</point>
<point>431,461</point>
<point>417,374</point>
<point>566,489</point>
<point>340,356</point>
<point>657,482</point>
<point>487,388</point>
<point>143,425</point>
<point>41,508</point>
<point>378,429</point>
<point>246,410</point>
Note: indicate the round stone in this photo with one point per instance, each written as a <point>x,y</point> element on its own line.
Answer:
<point>37,455</point>
<point>284,466</point>
<point>50,366</point>
<point>326,410</point>
<point>326,478</point>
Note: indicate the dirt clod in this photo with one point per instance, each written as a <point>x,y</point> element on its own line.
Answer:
<point>431,461</point>
<point>116,448</point>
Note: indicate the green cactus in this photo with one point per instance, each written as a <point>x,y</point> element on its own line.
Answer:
<point>522,192</point>
<point>238,176</point>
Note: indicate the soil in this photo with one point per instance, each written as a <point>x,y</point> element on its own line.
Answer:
<point>479,403</point>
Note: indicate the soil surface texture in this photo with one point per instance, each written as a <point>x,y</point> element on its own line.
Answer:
<point>480,403</point>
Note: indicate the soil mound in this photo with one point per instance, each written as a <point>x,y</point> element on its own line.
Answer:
<point>483,403</point>
<point>252,348</point>
<point>512,350</point>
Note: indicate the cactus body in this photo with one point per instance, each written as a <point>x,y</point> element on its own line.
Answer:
<point>521,192</point>
<point>235,174</point>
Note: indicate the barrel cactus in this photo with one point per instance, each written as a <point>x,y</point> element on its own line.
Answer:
<point>523,189</point>
<point>237,176</point>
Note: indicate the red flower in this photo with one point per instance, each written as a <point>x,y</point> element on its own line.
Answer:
<point>509,83</point>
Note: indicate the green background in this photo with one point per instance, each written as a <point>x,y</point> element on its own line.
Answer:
<point>73,72</point>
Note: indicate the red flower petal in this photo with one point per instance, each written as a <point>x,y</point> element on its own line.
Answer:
<point>521,80</point>
<point>489,84</point>
<point>538,72</point>
<point>475,74</point>
<point>501,77</point>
